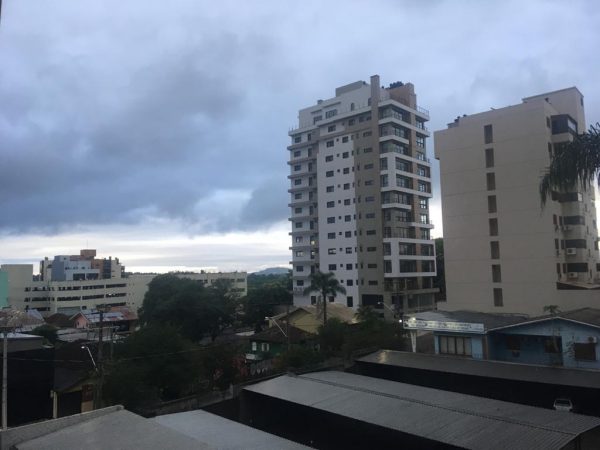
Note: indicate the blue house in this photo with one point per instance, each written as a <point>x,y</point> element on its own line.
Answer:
<point>566,339</point>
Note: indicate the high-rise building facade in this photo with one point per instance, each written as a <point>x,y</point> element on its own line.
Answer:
<point>503,252</point>
<point>360,191</point>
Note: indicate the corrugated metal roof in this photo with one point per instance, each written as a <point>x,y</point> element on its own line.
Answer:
<point>486,368</point>
<point>456,419</point>
<point>222,433</point>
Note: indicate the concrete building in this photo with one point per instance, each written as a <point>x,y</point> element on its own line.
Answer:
<point>69,284</point>
<point>503,252</point>
<point>360,190</point>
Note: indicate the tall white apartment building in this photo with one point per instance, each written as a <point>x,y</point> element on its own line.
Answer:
<point>360,189</point>
<point>502,251</point>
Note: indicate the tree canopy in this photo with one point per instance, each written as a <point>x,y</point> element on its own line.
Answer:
<point>327,285</point>
<point>572,164</point>
<point>189,306</point>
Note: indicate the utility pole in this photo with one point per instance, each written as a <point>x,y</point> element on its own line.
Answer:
<point>98,399</point>
<point>5,379</point>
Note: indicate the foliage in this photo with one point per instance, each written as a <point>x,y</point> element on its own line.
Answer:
<point>327,286</point>
<point>296,358</point>
<point>47,331</point>
<point>261,302</point>
<point>332,336</point>
<point>153,364</point>
<point>189,306</point>
<point>258,281</point>
<point>366,314</point>
<point>573,163</point>
<point>552,309</point>
<point>217,364</point>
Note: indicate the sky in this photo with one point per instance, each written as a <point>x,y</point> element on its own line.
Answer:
<point>156,131</point>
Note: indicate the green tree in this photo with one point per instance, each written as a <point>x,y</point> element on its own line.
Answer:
<point>189,306</point>
<point>327,286</point>
<point>575,163</point>
<point>47,331</point>
<point>153,364</point>
<point>332,336</point>
<point>261,301</point>
<point>217,365</point>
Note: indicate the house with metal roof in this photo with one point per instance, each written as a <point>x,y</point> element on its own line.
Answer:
<point>343,410</point>
<point>566,339</point>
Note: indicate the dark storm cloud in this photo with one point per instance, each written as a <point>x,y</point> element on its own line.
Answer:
<point>125,112</point>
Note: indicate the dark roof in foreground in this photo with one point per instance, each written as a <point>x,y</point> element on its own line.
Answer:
<point>222,433</point>
<point>486,368</point>
<point>456,419</point>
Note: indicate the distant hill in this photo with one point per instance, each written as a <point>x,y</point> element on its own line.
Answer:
<point>272,271</point>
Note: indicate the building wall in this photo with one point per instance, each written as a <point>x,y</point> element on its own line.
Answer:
<point>336,193</point>
<point>3,289</point>
<point>532,347</point>
<point>525,233</point>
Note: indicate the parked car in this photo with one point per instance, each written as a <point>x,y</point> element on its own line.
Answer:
<point>563,404</point>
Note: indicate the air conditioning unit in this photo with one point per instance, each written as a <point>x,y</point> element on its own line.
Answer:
<point>573,275</point>
<point>571,251</point>
<point>592,340</point>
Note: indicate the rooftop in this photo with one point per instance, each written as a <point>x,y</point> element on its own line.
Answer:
<point>485,368</point>
<point>455,419</point>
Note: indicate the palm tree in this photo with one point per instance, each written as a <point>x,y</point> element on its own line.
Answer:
<point>326,285</point>
<point>573,163</point>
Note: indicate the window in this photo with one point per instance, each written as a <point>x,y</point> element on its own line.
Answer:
<point>492,208</point>
<point>330,204</point>
<point>488,135</point>
<point>346,186</point>
<point>496,273</point>
<point>495,249</point>
<point>489,157</point>
<point>346,201</point>
<point>347,218</point>
<point>313,299</point>
<point>367,150</point>
<point>371,249</point>
<point>331,113</point>
<point>298,196</point>
<point>423,218</point>
<point>348,234</point>
<point>297,167</point>
<point>331,220</point>
<point>299,253</point>
<point>309,137</point>
<point>329,144</point>
<point>493,227</point>
<point>371,232</point>
<point>423,203</point>
<point>300,282</point>
<point>254,346</point>
<point>367,134</point>
<point>369,215</point>
<point>297,210</point>
<point>297,154</point>
<point>345,155</point>
<point>329,173</point>
<point>371,266</point>
<point>420,141</point>
<point>329,188</point>
<point>331,267</point>
<point>299,239</point>
<point>383,165</point>
<point>297,181</point>
<point>491,181</point>
<point>329,158</point>
<point>331,128</point>
<point>368,166</point>
<point>298,224</point>
<point>387,266</point>
<point>368,182</point>
<point>297,139</point>
<point>349,250</point>
<point>455,345</point>
<point>317,118</point>
<point>585,352</point>
<point>513,343</point>
<point>498,301</point>
<point>330,235</point>
<point>373,283</point>
<point>331,251</point>
<point>345,139</point>
<point>346,170</point>
<point>349,301</point>
<point>351,122</point>
<point>349,267</point>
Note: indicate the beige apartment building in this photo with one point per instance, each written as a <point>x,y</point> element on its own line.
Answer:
<point>360,190</point>
<point>503,252</point>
